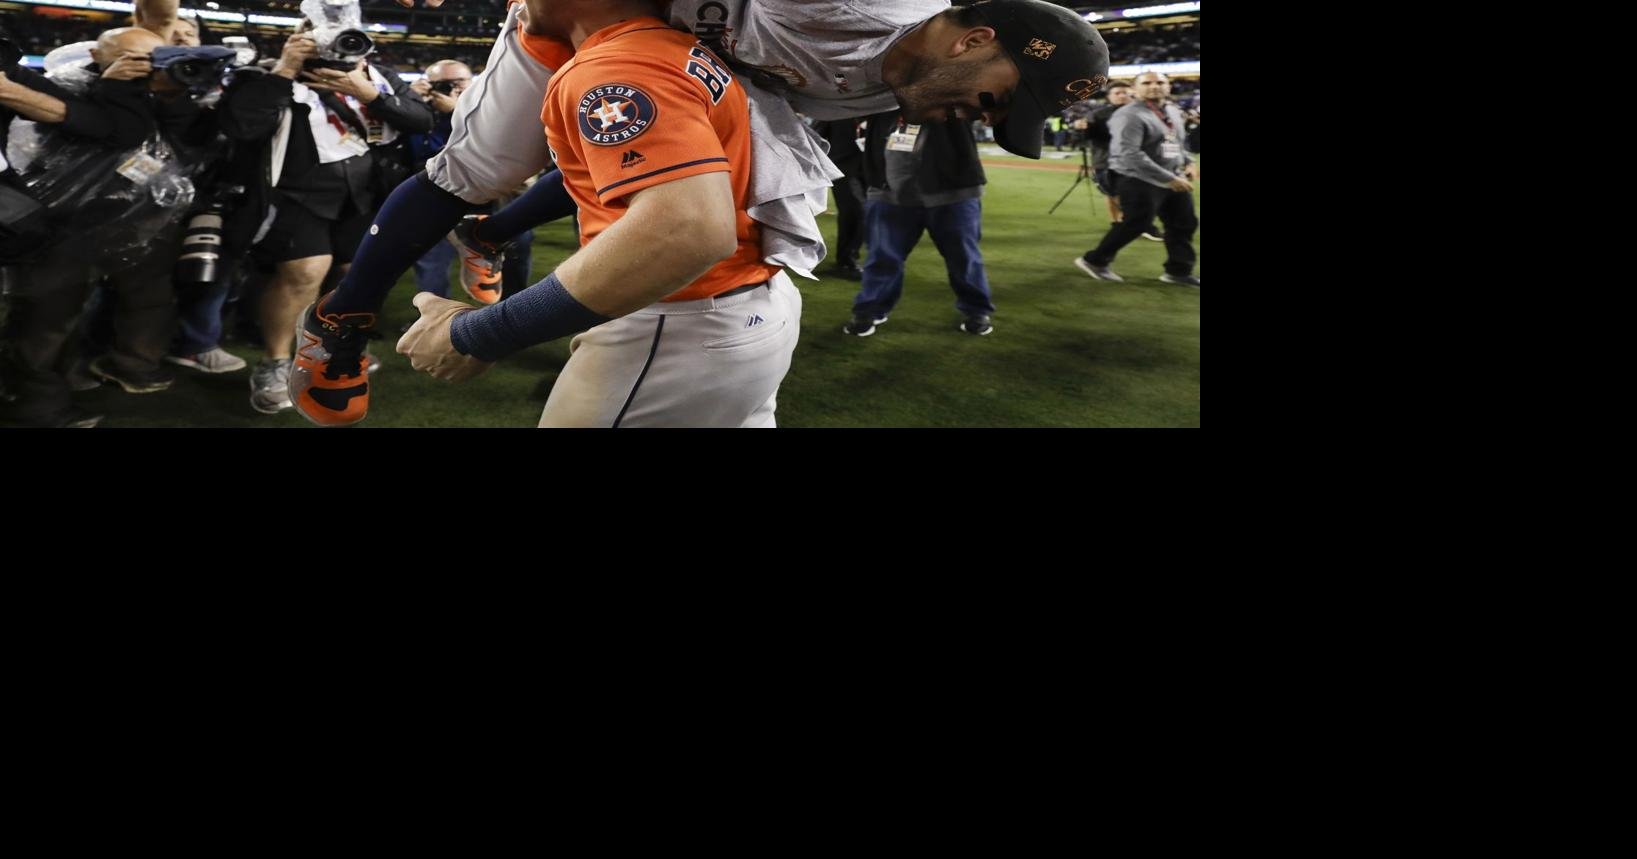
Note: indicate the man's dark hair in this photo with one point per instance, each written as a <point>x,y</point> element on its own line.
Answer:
<point>964,16</point>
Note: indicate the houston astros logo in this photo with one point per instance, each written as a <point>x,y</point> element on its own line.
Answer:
<point>613,114</point>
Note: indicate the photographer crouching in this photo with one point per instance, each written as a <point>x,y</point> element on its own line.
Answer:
<point>113,178</point>
<point>327,133</point>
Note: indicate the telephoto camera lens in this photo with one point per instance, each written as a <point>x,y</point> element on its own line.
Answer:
<point>353,44</point>
<point>191,74</point>
<point>201,259</point>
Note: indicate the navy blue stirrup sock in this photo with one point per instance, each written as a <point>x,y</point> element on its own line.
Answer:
<point>414,217</point>
<point>545,202</point>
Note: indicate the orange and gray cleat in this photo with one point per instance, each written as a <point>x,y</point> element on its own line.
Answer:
<point>329,384</point>
<point>480,261</point>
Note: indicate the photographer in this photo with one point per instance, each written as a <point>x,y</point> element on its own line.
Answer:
<point>313,135</point>
<point>440,88</point>
<point>115,199</point>
<point>445,80</point>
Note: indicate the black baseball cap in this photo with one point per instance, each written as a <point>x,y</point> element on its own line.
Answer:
<point>1061,58</point>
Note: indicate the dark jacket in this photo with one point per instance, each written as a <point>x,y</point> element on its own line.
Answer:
<point>841,134</point>
<point>255,102</point>
<point>949,155</point>
<point>251,110</point>
<point>113,112</point>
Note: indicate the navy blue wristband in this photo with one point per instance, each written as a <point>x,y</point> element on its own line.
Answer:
<point>543,312</point>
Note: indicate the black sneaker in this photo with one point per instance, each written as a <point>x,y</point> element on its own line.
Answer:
<point>1154,235</point>
<point>134,383</point>
<point>1180,280</point>
<point>862,325</point>
<point>849,271</point>
<point>977,324</point>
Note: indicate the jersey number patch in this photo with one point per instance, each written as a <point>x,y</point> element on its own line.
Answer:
<point>704,66</point>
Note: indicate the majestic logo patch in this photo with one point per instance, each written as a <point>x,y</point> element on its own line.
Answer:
<point>613,114</point>
<point>1040,48</point>
<point>632,158</point>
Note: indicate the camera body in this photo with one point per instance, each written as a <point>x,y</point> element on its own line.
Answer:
<point>338,29</point>
<point>340,49</point>
<point>444,87</point>
<point>198,70</point>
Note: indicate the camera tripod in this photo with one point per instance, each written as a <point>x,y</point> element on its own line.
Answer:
<point>1083,175</point>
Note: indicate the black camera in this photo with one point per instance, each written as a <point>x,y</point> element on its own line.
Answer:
<point>200,262</point>
<point>340,49</point>
<point>10,55</point>
<point>198,70</point>
<point>445,87</point>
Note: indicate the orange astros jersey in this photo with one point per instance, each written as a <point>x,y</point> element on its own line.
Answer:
<point>642,104</point>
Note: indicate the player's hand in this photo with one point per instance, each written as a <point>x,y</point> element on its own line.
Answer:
<point>1179,185</point>
<point>428,345</point>
<point>130,66</point>
<point>355,83</point>
<point>1191,171</point>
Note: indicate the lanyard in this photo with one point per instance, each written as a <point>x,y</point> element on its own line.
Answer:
<point>1160,112</point>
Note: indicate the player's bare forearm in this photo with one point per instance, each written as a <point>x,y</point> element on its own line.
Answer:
<point>670,236</point>
<point>157,16</point>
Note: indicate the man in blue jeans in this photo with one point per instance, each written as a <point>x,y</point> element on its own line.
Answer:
<point>923,179</point>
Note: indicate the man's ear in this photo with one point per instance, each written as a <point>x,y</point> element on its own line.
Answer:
<point>974,39</point>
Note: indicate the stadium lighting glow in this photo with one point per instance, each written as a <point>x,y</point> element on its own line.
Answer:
<point>208,14</point>
<point>1167,9</point>
<point>275,20</point>
<point>99,5</point>
<point>1092,16</point>
<point>1189,68</point>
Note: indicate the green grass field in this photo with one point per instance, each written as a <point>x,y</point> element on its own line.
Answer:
<point>1067,351</point>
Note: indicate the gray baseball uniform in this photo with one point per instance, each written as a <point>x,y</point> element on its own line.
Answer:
<point>492,153</point>
<point>828,52</point>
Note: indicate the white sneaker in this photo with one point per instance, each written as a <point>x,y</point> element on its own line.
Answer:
<point>217,360</point>
<point>270,387</point>
<point>1099,272</point>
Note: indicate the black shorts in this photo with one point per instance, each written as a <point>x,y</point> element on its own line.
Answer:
<point>298,233</point>
<point>1107,181</point>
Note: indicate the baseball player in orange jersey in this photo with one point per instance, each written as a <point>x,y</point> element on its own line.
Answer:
<point>683,324</point>
<point>1015,61</point>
